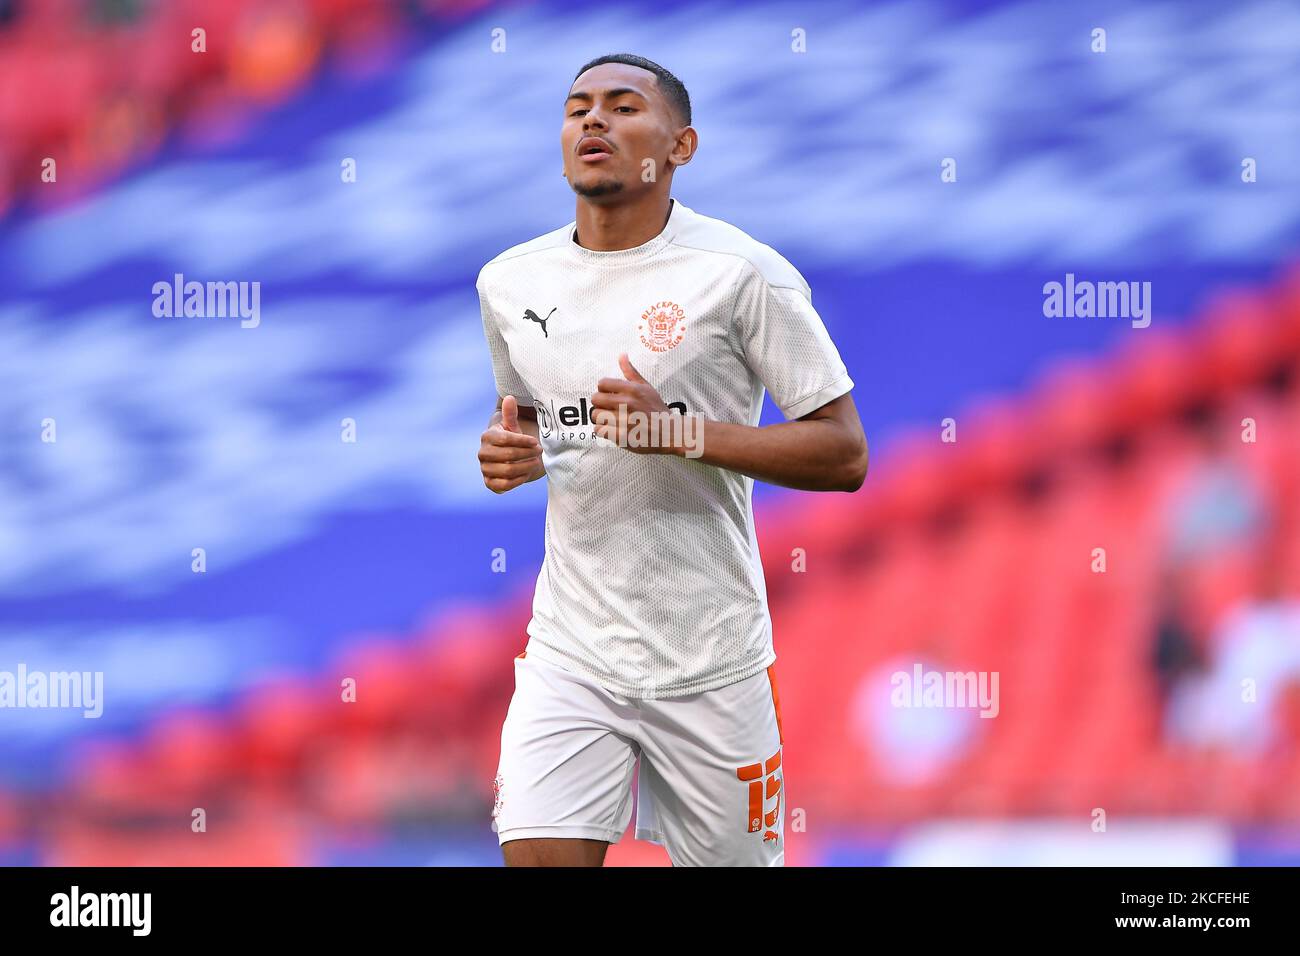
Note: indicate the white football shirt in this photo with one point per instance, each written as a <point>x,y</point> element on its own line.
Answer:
<point>651,583</point>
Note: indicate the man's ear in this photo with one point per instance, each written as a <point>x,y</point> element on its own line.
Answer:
<point>683,150</point>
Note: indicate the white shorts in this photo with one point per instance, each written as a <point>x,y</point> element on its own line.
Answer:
<point>709,788</point>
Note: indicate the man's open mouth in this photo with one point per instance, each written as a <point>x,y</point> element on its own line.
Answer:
<point>591,149</point>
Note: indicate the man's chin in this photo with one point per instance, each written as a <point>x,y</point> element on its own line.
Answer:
<point>597,189</point>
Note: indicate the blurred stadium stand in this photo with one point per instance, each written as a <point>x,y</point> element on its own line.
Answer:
<point>372,561</point>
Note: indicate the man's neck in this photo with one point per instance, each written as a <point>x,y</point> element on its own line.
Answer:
<point>624,226</point>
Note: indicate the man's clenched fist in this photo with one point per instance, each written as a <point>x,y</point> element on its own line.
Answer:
<point>631,400</point>
<point>507,456</point>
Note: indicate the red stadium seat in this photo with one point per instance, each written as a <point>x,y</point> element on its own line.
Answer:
<point>1154,377</point>
<point>1236,339</point>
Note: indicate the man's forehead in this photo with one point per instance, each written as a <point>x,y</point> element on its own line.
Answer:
<point>611,76</point>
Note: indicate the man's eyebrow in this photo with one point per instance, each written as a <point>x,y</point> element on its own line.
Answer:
<point>609,94</point>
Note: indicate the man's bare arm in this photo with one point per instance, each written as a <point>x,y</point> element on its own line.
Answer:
<point>825,450</point>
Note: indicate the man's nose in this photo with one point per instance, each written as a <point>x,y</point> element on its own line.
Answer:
<point>594,118</point>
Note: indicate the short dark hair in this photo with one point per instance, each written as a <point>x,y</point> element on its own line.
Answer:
<point>672,88</point>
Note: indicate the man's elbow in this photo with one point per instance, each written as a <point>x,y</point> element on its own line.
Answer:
<point>854,471</point>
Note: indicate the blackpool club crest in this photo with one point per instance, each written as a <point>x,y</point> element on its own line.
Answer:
<point>662,326</point>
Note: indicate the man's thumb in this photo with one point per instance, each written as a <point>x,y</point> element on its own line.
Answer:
<point>510,414</point>
<point>629,370</point>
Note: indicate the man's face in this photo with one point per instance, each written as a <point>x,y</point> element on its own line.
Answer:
<point>615,119</point>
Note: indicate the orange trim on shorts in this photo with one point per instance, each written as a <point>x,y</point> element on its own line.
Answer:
<point>521,655</point>
<point>776,702</point>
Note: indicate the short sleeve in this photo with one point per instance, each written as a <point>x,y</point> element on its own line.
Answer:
<point>508,380</point>
<point>785,343</point>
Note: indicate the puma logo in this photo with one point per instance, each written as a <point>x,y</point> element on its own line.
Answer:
<point>531,316</point>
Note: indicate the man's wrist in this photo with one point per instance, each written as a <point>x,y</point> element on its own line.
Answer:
<point>689,441</point>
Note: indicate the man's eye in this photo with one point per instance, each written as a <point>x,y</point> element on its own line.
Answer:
<point>630,109</point>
